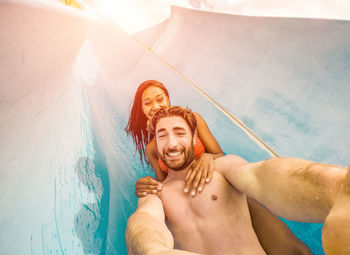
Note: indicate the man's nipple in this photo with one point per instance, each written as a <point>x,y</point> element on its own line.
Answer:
<point>214,197</point>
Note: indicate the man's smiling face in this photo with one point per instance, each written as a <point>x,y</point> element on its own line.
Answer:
<point>174,142</point>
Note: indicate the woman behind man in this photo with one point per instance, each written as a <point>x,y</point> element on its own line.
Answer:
<point>149,98</point>
<point>152,95</point>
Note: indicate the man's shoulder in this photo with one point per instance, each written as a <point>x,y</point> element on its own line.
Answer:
<point>152,205</point>
<point>230,160</point>
<point>149,203</point>
<point>225,163</point>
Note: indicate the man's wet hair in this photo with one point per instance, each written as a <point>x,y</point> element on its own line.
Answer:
<point>172,111</point>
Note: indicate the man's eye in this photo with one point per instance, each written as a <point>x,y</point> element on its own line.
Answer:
<point>181,134</point>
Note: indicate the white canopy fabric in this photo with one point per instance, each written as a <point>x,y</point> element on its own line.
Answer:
<point>136,15</point>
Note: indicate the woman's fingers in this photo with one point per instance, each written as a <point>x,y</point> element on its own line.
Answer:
<point>194,178</point>
<point>145,192</point>
<point>190,176</point>
<point>147,185</point>
<point>200,173</point>
<point>202,181</point>
<point>141,194</point>
<point>210,171</point>
<point>147,180</point>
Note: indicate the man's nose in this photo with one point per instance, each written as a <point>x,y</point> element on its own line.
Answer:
<point>172,142</point>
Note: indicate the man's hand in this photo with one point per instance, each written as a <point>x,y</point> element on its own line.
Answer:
<point>200,173</point>
<point>147,185</point>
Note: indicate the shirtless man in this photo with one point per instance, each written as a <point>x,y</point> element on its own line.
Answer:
<point>216,221</point>
<point>303,191</point>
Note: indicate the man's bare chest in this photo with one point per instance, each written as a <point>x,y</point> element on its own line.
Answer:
<point>218,196</point>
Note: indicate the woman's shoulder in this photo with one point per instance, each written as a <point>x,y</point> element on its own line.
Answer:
<point>200,121</point>
<point>151,146</point>
<point>198,116</point>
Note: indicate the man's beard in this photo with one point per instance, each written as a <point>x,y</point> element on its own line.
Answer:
<point>185,160</point>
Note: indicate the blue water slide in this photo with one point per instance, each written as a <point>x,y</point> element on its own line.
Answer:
<point>265,86</point>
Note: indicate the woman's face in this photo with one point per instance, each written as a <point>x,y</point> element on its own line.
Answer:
<point>153,98</point>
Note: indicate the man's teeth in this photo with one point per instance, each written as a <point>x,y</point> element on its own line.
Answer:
<point>173,154</point>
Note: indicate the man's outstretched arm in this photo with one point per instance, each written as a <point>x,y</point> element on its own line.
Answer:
<point>336,230</point>
<point>146,231</point>
<point>294,189</point>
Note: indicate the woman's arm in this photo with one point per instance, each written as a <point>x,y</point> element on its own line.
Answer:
<point>152,154</point>
<point>202,169</point>
<point>148,185</point>
<point>208,140</point>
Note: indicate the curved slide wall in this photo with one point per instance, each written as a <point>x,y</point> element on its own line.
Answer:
<point>68,170</point>
<point>285,78</point>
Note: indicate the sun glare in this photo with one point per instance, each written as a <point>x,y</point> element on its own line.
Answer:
<point>133,16</point>
<point>108,6</point>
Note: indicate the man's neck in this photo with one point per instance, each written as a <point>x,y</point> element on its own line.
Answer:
<point>177,174</point>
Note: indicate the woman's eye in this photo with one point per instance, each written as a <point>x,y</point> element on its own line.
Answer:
<point>146,103</point>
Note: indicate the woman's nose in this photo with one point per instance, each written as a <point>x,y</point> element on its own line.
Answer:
<point>155,108</point>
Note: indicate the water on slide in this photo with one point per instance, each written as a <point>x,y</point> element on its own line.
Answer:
<point>67,81</point>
